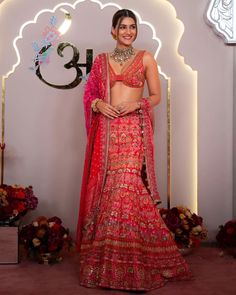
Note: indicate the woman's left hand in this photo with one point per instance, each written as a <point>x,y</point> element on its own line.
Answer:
<point>128,107</point>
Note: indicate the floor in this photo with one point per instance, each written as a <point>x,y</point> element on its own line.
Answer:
<point>214,274</point>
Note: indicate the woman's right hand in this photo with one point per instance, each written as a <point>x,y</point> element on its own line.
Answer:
<point>107,110</point>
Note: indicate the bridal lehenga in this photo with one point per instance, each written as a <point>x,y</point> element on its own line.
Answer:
<point>123,242</point>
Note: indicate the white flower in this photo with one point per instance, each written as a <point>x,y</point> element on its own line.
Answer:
<point>197,229</point>
<point>51,224</point>
<point>15,212</point>
<point>188,214</point>
<point>36,242</point>
<point>35,224</point>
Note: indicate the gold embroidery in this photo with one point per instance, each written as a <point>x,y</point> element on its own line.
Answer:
<point>125,244</point>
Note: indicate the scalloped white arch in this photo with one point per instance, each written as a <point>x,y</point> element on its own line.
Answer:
<point>102,6</point>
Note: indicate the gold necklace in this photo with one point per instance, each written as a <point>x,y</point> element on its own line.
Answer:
<point>122,55</point>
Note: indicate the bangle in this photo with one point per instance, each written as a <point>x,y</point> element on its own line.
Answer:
<point>94,105</point>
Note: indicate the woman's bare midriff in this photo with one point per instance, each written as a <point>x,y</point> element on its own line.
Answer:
<point>121,93</point>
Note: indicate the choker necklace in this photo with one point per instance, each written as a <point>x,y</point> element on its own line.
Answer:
<point>122,55</point>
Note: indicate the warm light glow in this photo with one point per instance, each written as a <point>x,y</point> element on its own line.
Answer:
<point>66,24</point>
<point>194,122</point>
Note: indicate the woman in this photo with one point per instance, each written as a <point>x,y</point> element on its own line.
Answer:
<point>123,242</point>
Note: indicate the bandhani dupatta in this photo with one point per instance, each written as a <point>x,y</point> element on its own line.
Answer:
<point>98,87</point>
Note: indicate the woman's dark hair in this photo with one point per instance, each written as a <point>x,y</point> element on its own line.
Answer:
<point>120,15</point>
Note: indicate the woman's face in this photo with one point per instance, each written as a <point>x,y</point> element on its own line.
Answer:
<point>126,32</point>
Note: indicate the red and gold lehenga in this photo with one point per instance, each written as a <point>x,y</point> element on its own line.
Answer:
<point>123,242</point>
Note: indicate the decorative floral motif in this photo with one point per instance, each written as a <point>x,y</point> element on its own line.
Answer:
<point>220,13</point>
<point>45,236</point>
<point>15,201</point>
<point>187,227</point>
<point>43,49</point>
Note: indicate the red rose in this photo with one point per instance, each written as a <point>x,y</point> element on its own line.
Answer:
<point>174,211</point>
<point>21,207</point>
<point>230,231</point>
<point>40,233</point>
<point>195,241</point>
<point>56,227</point>
<point>52,248</point>
<point>172,221</point>
<point>163,211</point>
<point>55,219</point>
<point>231,223</point>
<point>20,194</point>
<point>197,219</point>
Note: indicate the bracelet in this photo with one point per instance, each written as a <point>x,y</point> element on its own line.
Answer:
<point>139,110</point>
<point>94,105</point>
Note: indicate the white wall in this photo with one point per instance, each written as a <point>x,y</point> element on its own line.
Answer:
<point>214,62</point>
<point>59,190</point>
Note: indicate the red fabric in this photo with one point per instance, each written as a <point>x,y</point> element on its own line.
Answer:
<point>126,244</point>
<point>119,227</point>
<point>96,87</point>
<point>133,75</point>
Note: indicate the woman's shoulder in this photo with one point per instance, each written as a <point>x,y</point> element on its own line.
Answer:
<point>148,58</point>
<point>148,55</point>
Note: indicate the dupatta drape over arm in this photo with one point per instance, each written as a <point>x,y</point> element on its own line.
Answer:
<point>96,87</point>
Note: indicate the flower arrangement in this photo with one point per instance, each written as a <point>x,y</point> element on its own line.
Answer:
<point>44,238</point>
<point>226,237</point>
<point>187,227</point>
<point>15,201</point>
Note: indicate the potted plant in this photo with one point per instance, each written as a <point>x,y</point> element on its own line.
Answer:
<point>45,238</point>
<point>15,201</point>
<point>226,237</point>
<point>187,227</point>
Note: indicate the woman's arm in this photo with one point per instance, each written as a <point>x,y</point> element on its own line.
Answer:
<point>107,110</point>
<point>152,78</point>
<point>91,94</point>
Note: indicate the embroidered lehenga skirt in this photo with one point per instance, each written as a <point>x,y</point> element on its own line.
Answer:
<point>128,247</point>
